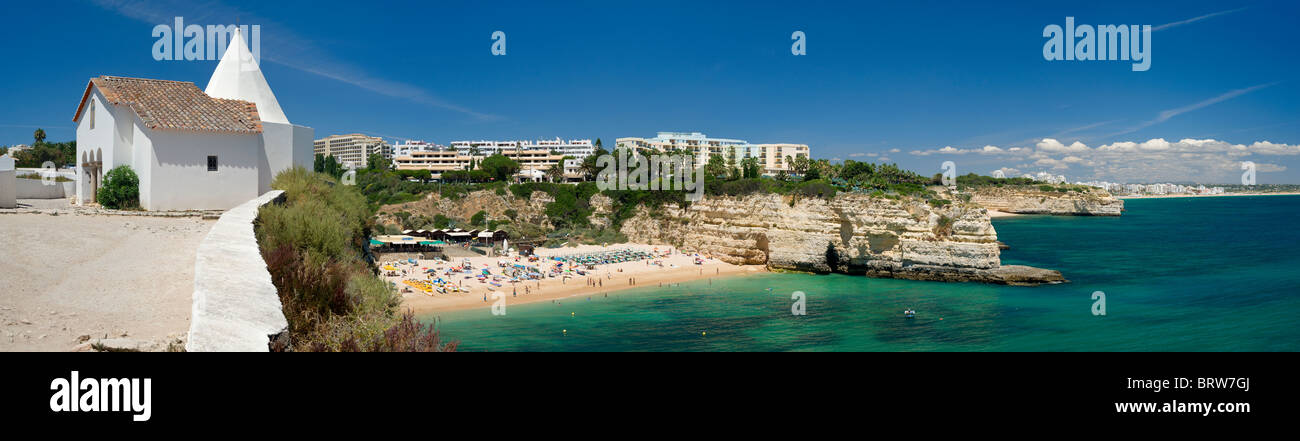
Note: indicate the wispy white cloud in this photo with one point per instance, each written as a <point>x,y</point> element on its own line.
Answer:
<point>1082,128</point>
<point>1167,114</point>
<point>1193,19</point>
<point>285,48</point>
<point>1202,160</point>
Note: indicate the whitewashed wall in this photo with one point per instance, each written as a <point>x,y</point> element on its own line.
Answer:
<point>179,179</point>
<point>102,138</point>
<point>8,196</point>
<point>37,189</point>
<point>236,306</point>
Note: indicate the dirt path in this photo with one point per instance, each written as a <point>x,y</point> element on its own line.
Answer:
<point>125,278</point>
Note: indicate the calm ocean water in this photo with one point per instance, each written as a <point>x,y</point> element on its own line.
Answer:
<point>1179,274</point>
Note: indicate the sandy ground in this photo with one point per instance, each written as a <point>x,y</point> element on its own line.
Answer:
<point>607,279</point>
<point>1205,195</point>
<point>125,278</point>
<point>996,214</point>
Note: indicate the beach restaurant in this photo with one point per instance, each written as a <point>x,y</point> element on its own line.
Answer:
<point>488,237</point>
<point>454,235</point>
<point>398,243</point>
<point>458,235</point>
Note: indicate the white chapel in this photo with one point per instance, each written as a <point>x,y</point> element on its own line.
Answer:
<point>192,149</point>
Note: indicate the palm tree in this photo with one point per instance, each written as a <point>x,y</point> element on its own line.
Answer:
<point>555,173</point>
<point>39,135</point>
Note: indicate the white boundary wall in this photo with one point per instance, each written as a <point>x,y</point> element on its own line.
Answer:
<point>8,183</point>
<point>236,307</point>
<point>38,189</point>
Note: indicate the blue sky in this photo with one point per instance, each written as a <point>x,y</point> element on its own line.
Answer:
<point>916,83</point>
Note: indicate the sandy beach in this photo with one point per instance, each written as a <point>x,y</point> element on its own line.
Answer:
<point>1160,196</point>
<point>126,279</point>
<point>605,280</point>
<point>994,214</point>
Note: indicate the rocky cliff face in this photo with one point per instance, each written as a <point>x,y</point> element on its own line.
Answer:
<point>850,233</point>
<point>532,209</point>
<point>1096,202</point>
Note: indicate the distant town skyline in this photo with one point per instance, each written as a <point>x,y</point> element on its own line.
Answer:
<point>881,83</point>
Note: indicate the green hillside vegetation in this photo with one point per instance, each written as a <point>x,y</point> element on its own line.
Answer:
<point>571,209</point>
<point>314,245</point>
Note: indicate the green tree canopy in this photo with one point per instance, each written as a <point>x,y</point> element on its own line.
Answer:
<point>499,167</point>
<point>478,218</point>
<point>378,162</point>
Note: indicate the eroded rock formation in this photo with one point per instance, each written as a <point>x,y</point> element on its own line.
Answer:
<point>850,233</point>
<point>1026,200</point>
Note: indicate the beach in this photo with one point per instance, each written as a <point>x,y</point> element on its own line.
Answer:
<point>606,279</point>
<point>994,214</point>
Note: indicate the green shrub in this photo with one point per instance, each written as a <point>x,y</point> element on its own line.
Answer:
<point>313,246</point>
<point>121,189</point>
<point>306,226</point>
<point>441,222</point>
<point>943,228</point>
<point>817,188</point>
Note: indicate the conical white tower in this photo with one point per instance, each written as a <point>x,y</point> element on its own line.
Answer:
<point>239,78</point>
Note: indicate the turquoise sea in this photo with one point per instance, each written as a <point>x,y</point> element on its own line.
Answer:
<point>1179,274</point>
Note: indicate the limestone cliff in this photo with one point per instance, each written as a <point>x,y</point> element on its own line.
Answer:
<point>850,233</point>
<point>1030,200</point>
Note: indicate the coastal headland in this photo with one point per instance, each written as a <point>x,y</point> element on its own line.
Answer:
<point>849,233</point>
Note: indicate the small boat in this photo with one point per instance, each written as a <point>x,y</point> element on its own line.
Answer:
<point>910,313</point>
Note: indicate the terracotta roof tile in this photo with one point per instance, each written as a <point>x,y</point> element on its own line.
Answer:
<point>176,105</point>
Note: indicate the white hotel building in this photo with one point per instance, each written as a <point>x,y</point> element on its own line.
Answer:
<point>770,156</point>
<point>352,150</point>
<point>577,148</point>
<point>406,148</point>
